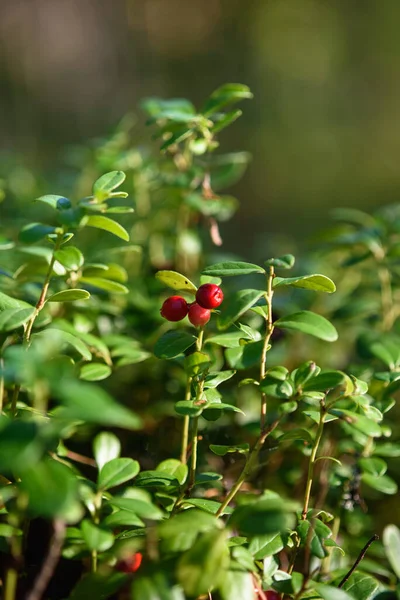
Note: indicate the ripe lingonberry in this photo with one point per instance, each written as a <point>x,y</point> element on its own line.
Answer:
<point>175,308</point>
<point>271,595</point>
<point>130,564</point>
<point>209,295</point>
<point>198,316</point>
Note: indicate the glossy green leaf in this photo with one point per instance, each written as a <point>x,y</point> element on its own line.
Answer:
<point>196,363</point>
<point>267,545</point>
<point>95,372</point>
<point>106,447</point>
<point>7,302</point>
<point>391,542</point>
<point>144,510</point>
<point>173,343</point>
<point>259,518</point>
<point>63,338</point>
<point>70,257</point>
<point>96,538</point>
<point>225,120</point>
<point>309,322</point>
<point>51,488</point>
<point>226,94</point>
<point>34,232</point>
<point>103,187</point>
<point>175,468</point>
<point>98,585</point>
<point>117,471</point>
<point>103,283</point>
<point>12,318</point>
<point>56,202</point>
<point>213,380</point>
<point>209,506</point>
<point>374,466</point>
<point>89,403</point>
<point>189,408</point>
<point>69,296</point>
<point>362,586</point>
<point>358,421</point>
<point>236,304</point>
<point>203,566</point>
<point>316,283</point>
<point>328,592</point>
<point>231,268</point>
<point>176,281</point>
<point>223,450</point>
<point>384,483</point>
<point>324,381</point>
<point>101,222</point>
<point>156,586</point>
<point>282,262</point>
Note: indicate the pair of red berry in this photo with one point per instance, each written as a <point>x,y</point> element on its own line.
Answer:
<point>208,296</point>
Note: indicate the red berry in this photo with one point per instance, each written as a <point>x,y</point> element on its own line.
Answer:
<point>271,595</point>
<point>130,564</point>
<point>209,295</point>
<point>198,316</point>
<point>175,308</point>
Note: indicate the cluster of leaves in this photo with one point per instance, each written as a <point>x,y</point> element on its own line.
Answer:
<point>278,456</point>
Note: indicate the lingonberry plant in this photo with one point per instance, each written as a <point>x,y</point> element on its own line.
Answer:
<point>254,458</point>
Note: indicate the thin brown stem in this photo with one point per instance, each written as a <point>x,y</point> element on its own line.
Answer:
<point>359,559</point>
<point>248,467</point>
<point>50,563</point>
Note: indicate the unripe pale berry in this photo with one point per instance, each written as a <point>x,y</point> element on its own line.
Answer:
<point>129,564</point>
<point>198,316</point>
<point>175,308</point>
<point>209,295</point>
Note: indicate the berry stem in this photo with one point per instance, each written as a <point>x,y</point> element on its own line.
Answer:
<point>186,423</point>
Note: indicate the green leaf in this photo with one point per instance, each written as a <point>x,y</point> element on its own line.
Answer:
<point>222,207</point>
<point>69,296</point>
<point>384,483</point>
<point>7,302</point>
<point>324,381</point>
<point>103,187</point>
<point>230,339</point>
<point>189,408</point>
<point>230,268</point>
<point>51,488</point>
<point>282,262</point>
<point>34,232</point>
<point>310,323</point>
<point>101,222</point>
<point>89,403</point>
<point>258,518</point>
<point>63,338</point>
<point>176,281</point>
<point>223,450</point>
<point>173,343</point>
<point>391,542</point>
<point>12,318</point>
<point>359,422</point>
<point>175,468</point>
<point>56,202</point>
<point>213,380</point>
<point>95,537</point>
<point>209,506</point>
<point>361,586</point>
<point>328,592</point>
<point>296,434</point>
<point>156,480</point>
<point>226,94</point>
<point>117,471</point>
<point>106,447</point>
<point>373,466</point>
<point>105,284</point>
<point>203,566</point>
<point>317,283</point>
<point>236,305</point>
<point>155,586</point>
<point>225,120</point>
<point>99,586</point>
<point>197,362</point>
<point>141,508</point>
<point>267,545</point>
<point>122,518</point>
<point>70,257</point>
<point>95,372</point>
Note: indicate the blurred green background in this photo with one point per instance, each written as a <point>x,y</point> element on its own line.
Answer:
<point>323,128</point>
